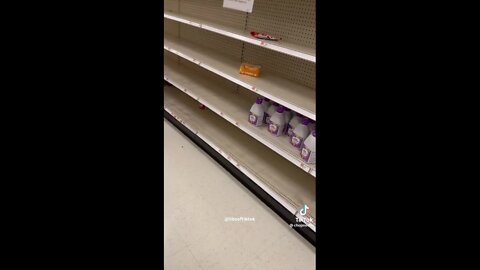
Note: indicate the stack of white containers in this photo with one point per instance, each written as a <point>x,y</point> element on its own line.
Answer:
<point>282,121</point>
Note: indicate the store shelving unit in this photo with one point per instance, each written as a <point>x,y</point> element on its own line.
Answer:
<point>243,35</point>
<point>268,85</point>
<point>204,45</point>
<point>267,169</point>
<point>231,106</point>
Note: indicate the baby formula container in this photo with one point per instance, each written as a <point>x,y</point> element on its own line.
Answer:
<point>256,113</point>
<point>277,122</point>
<point>293,124</point>
<point>300,133</point>
<point>308,152</point>
<point>271,110</point>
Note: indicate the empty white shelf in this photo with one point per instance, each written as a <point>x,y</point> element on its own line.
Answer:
<point>292,95</point>
<point>232,106</point>
<point>279,46</point>
<point>286,183</point>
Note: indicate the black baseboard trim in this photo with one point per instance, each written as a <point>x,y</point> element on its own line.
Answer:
<point>288,217</point>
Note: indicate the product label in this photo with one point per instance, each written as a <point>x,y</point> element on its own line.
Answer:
<point>289,130</point>
<point>296,141</point>
<point>253,119</point>
<point>242,5</point>
<point>274,129</point>
<point>307,155</point>
<point>267,119</point>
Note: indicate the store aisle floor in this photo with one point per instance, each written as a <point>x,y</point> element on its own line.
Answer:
<point>199,195</point>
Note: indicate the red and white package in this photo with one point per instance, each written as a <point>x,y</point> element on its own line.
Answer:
<point>265,36</point>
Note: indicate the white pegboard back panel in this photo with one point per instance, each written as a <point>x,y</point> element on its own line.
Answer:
<point>221,82</point>
<point>222,44</point>
<point>292,68</point>
<point>169,55</point>
<point>170,27</point>
<point>213,11</point>
<point>289,67</point>
<point>171,5</point>
<point>292,20</point>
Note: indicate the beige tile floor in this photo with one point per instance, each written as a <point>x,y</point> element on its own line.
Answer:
<point>199,194</point>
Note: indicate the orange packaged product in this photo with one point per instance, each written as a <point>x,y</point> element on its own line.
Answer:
<point>249,69</point>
